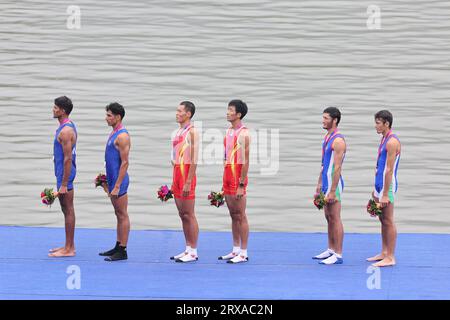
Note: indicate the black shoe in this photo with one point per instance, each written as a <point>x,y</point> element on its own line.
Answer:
<point>110,252</point>
<point>121,254</point>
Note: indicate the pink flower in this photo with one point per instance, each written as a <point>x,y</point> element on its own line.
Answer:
<point>165,189</point>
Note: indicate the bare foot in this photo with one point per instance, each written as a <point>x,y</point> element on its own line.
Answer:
<point>57,249</point>
<point>386,262</point>
<point>378,257</point>
<point>62,253</point>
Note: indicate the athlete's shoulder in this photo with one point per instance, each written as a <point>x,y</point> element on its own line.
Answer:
<point>393,141</point>
<point>244,138</point>
<point>339,143</point>
<point>339,137</point>
<point>124,131</point>
<point>193,134</point>
<point>66,132</point>
<point>245,131</point>
<point>393,145</point>
<point>123,136</point>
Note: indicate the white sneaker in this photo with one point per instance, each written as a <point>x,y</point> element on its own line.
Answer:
<point>238,259</point>
<point>178,256</point>
<point>187,258</point>
<point>334,259</point>
<point>326,254</point>
<point>229,256</point>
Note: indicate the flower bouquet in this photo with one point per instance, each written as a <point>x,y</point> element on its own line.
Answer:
<point>373,208</point>
<point>48,196</point>
<point>164,193</point>
<point>100,181</point>
<point>216,199</point>
<point>319,200</point>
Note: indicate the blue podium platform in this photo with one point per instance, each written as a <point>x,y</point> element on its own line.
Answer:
<point>280,267</point>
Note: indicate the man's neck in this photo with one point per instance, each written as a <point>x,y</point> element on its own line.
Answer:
<point>117,125</point>
<point>62,119</point>
<point>331,130</point>
<point>185,124</point>
<point>385,132</point>
<point>236,124</point>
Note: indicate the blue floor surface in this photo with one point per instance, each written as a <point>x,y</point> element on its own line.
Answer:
<point>280,267</point>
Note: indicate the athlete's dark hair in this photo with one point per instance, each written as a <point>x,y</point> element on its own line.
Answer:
<point>189,107</point>
<point>334,114</point>
<point>240,107</point>
<point>385,116</point>
<point>64,103</point>
<point>116,109</point>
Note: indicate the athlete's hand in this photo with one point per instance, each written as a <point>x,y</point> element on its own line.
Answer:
<point>331,197</point>
<point>115,192</point>
<point>384,201</point>
<point>105,188</point>
<point>62,190</point>
<point>186,189</point>
<point>240,193</point>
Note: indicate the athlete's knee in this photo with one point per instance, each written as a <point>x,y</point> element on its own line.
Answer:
<point>121,215</point>
<point>237,215</point>
<point>388,222</point>
<point>65,208</point>
<point>184,214</point>
<point>334,217</point>
<point>68,211</point>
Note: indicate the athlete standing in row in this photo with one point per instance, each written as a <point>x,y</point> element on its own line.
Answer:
<point>116,160</point>
<point>386,185</point>
<point>235,180</point>
<point>64,158</point>
<point>184,161</point>
<point>332,185</point>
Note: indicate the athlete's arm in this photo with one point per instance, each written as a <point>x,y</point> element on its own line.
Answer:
<point>193,145</point>
<point>339,150</point>
<point>65,138</point>
<point>123,145</point>
<point>319,183</point>
<point>224,150</point>
<point>246,144</point>
<point>391,148</point>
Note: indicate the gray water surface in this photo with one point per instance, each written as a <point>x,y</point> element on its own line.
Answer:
<point>286,59</point>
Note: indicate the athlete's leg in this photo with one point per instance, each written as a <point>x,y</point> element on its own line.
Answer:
<point>389,233</point>
<point>235,228</point>
<point>235,224</point>
<point>186,211</point>
<point>68,210</point>
<point>383,253</point>
<point>120,205</point>
<point>326,210</point>
<point>335,226</point>
<point>239,220</point>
